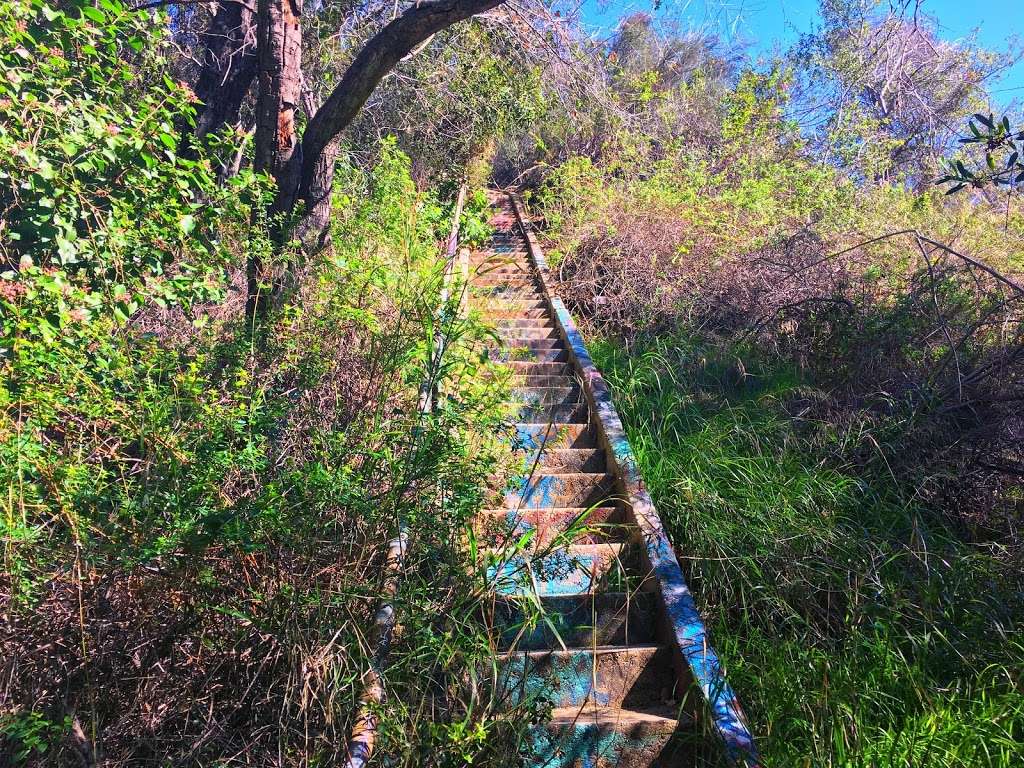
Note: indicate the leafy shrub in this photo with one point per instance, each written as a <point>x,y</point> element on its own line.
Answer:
<point>819,378</point>
<point>195,508</point>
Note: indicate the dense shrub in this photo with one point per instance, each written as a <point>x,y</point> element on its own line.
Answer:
<point>821,380</point>
<point>195,507</point>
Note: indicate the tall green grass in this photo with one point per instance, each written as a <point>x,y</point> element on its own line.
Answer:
<point>857,628</point>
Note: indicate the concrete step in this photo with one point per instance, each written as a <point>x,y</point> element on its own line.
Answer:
<point>531,323</point>
<point>542,381</point>
<point>570,570</point>
<point>498,528</point>
<point>537,435</point>
<point>586,620</point>
<point>509,261</point>
<point>577,489</point>
<point>563,460</point>
<point>610,737</point>
<point>511,335</point>
<point>517,279</point>
<point>528,355</point>
<point>533,368</point>
<point>635,677</point>
<point>500,263</point>
<point>560,413</point>
<point>521,342</point>
<point>499,313</point>
<point>505,292</point>
<point>570,394</point>
<point>507,305</point>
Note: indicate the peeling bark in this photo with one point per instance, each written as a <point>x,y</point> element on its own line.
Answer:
<point>279,36</point>
<point>279,32</point>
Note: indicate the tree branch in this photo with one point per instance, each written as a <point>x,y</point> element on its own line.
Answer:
<point>378,57</point>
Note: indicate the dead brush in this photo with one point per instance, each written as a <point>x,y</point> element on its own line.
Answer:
<point>911,342</point>
<point>636,271</point>
<point>208,601</point>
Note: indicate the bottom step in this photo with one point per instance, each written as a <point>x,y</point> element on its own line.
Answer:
<point>603,737</point>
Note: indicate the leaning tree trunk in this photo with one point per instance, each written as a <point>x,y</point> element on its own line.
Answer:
<point>378,57</point>
<point>279,33</point>
<point>228,66</point>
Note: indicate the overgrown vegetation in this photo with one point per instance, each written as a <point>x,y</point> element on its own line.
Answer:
<point>817,352</point>
<point>818,363</point>
<point>196,505</point>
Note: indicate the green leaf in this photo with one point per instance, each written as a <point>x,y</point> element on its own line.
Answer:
<point>187,223</point>
<point>95,14</point>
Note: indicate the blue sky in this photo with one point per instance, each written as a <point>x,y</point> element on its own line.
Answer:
<point>768,25</point>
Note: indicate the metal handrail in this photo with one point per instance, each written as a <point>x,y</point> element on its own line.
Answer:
<point>363,735</point>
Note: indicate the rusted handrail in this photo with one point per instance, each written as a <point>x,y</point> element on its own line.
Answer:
<point>363,735</point>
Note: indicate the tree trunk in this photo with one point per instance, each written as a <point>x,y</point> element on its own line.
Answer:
<point>306,172</point>
<point>229,66</point>
<point>378,57</point>
<point>279,35</point>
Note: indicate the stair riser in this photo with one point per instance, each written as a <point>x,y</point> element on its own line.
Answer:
<point>535,396</point>
<point>503,313</point>
<point>575,413</point>
<point>512,335</point>
<point>502,528</point>
<point>519,342</point>
<point>563,460</point>
<point>503,293</point>
<point>522,355</point>
<point>631,677</point>
<point>534,436</point>
<point>577,490</point>
<point>485,271</point>
<point>515,307</point>
<point>541,381</point>
<point>505,280</point>
<point>574,570</point>
<point>580,621</point>
<point>528,368</point>
<point>589,745</point>
<point>530,323</point>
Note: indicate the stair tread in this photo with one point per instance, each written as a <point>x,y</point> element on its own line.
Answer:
<point>609,548</point>
<point>665,715</point>
<point>550,510</point>
<point>635,649</point>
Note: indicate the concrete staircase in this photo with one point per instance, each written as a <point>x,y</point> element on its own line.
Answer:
<point>603,658</point>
